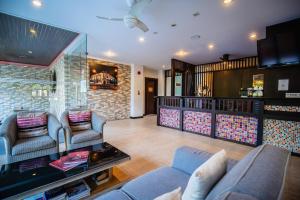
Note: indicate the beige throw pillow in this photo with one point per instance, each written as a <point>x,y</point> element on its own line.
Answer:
<point>173,195</point>
<point>205,176</point>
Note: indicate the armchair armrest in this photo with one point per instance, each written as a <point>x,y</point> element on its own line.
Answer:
<point>7,144</point>
<point>66,126</point>
<point>98,122</point>
<point>8,131</point>
<point>188,159</point>
<point>53,126</point>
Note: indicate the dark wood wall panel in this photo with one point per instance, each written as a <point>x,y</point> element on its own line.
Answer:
<point>205,75</point>
<point>228,83</point>
<point>242,63</point>
<point>226,79</point>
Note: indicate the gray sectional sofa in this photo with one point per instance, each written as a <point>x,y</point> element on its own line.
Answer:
<point>260,175</point>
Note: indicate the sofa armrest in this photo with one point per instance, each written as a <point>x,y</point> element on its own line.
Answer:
<point>188,159</point>
<point>98,122</point>
<point>53,126</point>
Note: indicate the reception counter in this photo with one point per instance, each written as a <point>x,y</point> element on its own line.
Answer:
<point>249,121</point>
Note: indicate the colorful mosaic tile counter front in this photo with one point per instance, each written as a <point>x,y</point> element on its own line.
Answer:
<point>197,122</point>
<point>246,121</point>
<point>237,128</point>
<point>169,117</point>
<point>282,108</point>
<point>285,134</point>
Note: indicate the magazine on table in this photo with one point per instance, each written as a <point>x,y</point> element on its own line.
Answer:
<point>71,160</point>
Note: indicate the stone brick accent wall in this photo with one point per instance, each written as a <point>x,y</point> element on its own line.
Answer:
<point>57,99</point>
<point>17,83</point>
<point>16,86</point>
<point>112,104</point>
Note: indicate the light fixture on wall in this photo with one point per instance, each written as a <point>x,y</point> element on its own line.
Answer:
<point>37,3</point>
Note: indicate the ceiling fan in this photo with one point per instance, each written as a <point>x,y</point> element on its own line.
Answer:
<point>131,20</point>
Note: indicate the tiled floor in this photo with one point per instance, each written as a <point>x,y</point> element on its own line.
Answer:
<point>151,146</point>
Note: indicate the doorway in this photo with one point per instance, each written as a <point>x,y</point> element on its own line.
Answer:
<point>151,87</point>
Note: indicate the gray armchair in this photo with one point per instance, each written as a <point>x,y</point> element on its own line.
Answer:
<point>79,139</point>
<point>27,148</point>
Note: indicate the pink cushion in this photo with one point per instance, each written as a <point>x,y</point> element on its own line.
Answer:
<point>31,124</point>
<point>79,116</point>
<point>31,119</point>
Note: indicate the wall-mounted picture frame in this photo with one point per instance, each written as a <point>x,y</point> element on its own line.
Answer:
<point>103,77</point>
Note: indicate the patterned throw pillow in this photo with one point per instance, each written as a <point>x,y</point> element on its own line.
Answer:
<point>31,124</point>
<point>80,120</point>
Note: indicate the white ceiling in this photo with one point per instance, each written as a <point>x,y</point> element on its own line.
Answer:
<point>227,27</point>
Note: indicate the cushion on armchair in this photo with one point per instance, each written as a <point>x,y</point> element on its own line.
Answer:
<point>31,124</point>
<point>80,120</point>
<point>84,136</point>
<point>28,145</point>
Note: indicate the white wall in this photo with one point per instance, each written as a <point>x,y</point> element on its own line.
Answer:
<point>161,82</point>
<point>168,86</point>
<point>138,87</point>
<point>137,91</point>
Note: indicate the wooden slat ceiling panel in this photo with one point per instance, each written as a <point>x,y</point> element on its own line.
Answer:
<point>16,41</point>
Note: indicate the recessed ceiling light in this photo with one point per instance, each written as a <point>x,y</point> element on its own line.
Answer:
<point>110,53</point>
<point>227,2</point>
<point>181,53</point>
<point>164,66</point>
<point>37,3</point>
<point>141,39</point>
<point>211,46</point>
<point>252,36</point>
<point>30,52</point>
<point>32,31</point>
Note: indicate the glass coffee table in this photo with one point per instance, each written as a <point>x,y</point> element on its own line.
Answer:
<point>26,178</point>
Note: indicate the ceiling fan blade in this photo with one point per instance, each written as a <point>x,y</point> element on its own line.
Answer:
<point>130,3</point>
<point>138,7</point>
<point>142,26</point>
<point>109,18</point>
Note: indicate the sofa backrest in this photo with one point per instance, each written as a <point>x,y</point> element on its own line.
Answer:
<point>188,159</point>
<point>260,175</point>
